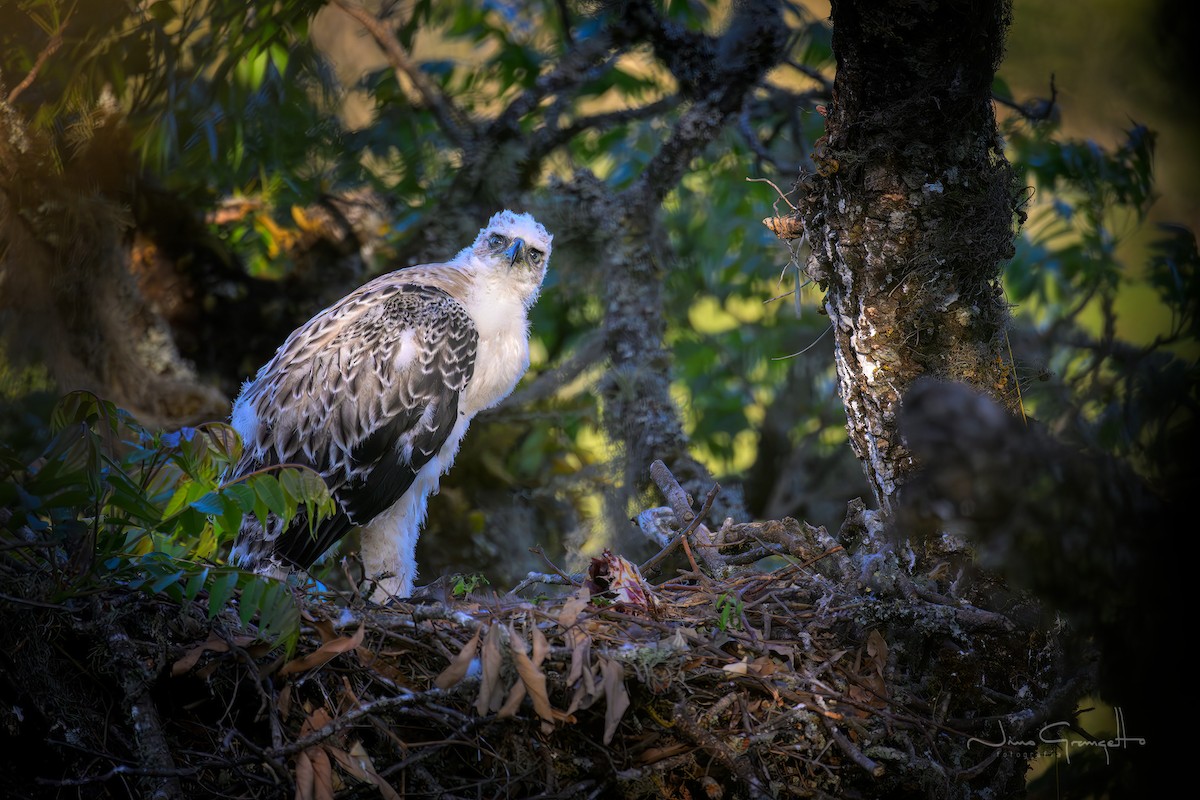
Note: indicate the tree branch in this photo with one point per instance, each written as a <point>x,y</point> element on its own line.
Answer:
<point>547,139</point>
<point>452,121</point>
<point>689,521</point>
<point>50,49</point>
<point>756,34</point>
<point>578,66</point>
<point>154,752</point>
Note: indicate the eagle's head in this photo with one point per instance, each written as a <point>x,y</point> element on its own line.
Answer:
<point>517,247</point>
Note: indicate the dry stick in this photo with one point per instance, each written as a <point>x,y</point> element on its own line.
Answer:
<point>537,550</point>
<point>968,615</point>
<point>152,746</point>
<point>352,716</point>
<point>690,521</point>
<point>970,773</point>
<point>687,551</point>
<point>125,769</point>
<point>847,747</point>
<point>681,537</point>
<point>263,684</point>
<point>547,578</point>
<point>51,47</point>
<point>674,494</point>
<point>27,602</point>
<point>705,740</point>
<point>448,117</point>
<point>281,772</point>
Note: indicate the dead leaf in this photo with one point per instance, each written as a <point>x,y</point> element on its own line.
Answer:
<point>324,628</point>
<point>325,653</point>
<point>322,783</point>
<point>531,675</point>
<point>214,644</point>
<point>348,763</point>
<point>359,757</point>
<point>357,763</point>
<point>459,665</point>
<point>515,695</point>
<point>540,646</point>
<point>786,651</point>
<point>576,636</point>
<point>763,666</point>
<point>737,667</point>
<point>317,718</point>
<point>490,659</point>
<point>589,680</point>
<point>617,697</point>
<point>785,227</point>
<point>574,607</point>
<point>385,788</point>
<point>871,687</point>
<point>581,649</point>
<point>378,663</point>
<point>284,704</point>
<point>877,649</point>
<point>304,776</point>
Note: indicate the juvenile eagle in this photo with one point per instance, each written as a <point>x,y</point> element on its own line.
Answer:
<point>376,392</point>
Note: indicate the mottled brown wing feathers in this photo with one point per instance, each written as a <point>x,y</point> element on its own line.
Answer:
<point>366,394</point>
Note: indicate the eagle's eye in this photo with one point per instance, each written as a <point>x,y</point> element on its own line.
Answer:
<point>496,240</point>
<point>536,255</point>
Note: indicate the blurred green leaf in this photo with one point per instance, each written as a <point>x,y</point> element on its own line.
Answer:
<point>220,592</point>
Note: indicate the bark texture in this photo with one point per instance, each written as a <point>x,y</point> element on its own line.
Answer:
<point>910,214</point>
<point>68,299</point>
<point>716,74</point>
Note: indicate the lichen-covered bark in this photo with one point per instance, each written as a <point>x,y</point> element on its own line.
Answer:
<point>639,411</point>
<point>910,214</point>
<point>68,300</point>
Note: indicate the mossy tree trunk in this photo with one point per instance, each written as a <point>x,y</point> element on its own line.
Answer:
<point>910,214</point>
<point>716,74</point>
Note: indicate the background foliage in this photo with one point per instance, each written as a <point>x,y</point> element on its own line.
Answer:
<point>254,118</point>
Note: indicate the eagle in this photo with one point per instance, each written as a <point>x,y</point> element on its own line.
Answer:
<point>376,392</point>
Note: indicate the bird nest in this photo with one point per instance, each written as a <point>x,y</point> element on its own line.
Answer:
<point>781,677</point>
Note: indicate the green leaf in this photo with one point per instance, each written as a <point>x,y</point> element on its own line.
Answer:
<point>224,441</point>
<point>129,498</point>
<point>279,614</point>
<point>303,486</point>
<point>210,503</point>
<point>268,491</point>
<point>221,591</point>
<point>241,494</point>
<point>75,408</point>
<point>195,584</point>
<point>189,524</point>
<point>187,492</point>
<point>231,516</point>
<point>164,581</point>
<point>163,11</point>
<point>249,602</point>
<point>289,481</point>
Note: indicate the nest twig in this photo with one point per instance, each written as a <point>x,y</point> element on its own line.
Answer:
<point>768,680</point>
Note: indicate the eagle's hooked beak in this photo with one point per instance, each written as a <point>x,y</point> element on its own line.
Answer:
<point>515,251</point>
